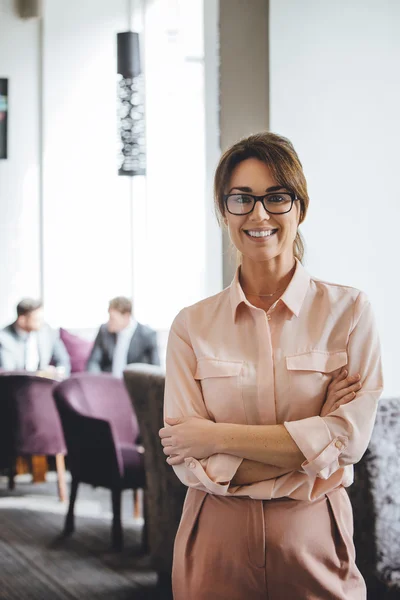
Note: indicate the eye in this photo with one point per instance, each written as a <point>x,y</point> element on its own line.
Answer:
<point>241,199</point>
<point>279,198</point>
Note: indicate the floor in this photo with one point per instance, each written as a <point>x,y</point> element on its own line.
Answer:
<point>36,563</point>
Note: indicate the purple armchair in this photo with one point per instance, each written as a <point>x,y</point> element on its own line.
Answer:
<point>101,431</point>
<point>29,423</point>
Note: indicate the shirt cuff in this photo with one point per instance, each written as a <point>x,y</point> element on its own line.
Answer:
<point>218,472</point>
<point>315,441</point>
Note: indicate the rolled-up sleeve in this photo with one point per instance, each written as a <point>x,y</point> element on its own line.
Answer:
<point>341,438</point>
<point>183,398</point>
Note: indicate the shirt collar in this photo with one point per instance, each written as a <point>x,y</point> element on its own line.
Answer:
<point>20,332</point>
<point>129,329</point>
<point>293,296</point>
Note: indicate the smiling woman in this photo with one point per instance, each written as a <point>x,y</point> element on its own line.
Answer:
<point>271,394</point>
<point>262,159</point>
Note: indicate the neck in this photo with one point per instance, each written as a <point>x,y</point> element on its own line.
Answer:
<point>21,327</point>
<point>267,277</point>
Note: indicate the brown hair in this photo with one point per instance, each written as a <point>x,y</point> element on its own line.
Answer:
<point>121,304</point>
<point>278,153</point>
<point>27,306</point>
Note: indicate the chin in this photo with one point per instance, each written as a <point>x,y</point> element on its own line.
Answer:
<point>261,255</point>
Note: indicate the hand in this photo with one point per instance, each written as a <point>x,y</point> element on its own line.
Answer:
<point>341,390</point>
<point>186,437</point>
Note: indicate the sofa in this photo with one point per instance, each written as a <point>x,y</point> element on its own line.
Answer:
<point>375,496</point>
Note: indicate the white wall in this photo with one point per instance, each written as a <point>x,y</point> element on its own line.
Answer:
<point>19,174</point>
<point>335,92</point>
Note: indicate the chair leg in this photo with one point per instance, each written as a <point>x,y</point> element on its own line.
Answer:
<point>69,526</point>
<point>116,534</point>
<point>61,484</point>
<point>11,475</point>
<point>145,530</point>
<point>23,465</point>
<point>39,468</point>
<point>137,504</point>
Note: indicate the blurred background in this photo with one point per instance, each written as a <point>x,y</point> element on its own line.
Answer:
<point>75,231</point>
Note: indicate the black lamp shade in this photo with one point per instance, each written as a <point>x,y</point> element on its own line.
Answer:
<point>128,54</point>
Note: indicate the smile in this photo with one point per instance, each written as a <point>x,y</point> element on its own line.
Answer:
<point>260,234</point>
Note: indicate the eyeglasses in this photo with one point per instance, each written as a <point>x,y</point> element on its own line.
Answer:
<point>276,203</point>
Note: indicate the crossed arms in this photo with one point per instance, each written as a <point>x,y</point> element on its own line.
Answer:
<point>213,456</point>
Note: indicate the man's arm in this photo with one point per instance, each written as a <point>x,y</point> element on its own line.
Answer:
<point>93,364</point>
<point>153,355</point>
<point>60,356</point>
<point>7,357</point>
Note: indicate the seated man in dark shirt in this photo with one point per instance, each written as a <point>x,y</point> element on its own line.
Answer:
<point>29,344</point>
<point>122,341</point>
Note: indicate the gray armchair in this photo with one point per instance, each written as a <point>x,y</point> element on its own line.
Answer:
<point>165,493</point>
<point>375,496</point>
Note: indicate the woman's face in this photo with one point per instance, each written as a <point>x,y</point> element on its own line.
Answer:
<point>255,177</point>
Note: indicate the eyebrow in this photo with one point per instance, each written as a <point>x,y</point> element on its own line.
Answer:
<point>274,188</point>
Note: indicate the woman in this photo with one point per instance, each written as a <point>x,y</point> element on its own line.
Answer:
<point>271,394</point>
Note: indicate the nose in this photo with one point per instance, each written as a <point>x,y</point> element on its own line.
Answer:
<point>259,213</point>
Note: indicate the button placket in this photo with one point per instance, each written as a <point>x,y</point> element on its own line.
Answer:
<point>265,372</point>
<point>271,310</point>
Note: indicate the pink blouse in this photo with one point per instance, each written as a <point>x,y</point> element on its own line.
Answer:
<point>230,362</point>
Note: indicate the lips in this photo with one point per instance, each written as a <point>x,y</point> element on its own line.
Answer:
<point>260,234</point>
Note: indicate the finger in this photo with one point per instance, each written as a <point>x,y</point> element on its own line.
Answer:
<point>175,460</point>
<point>351,388</point>
<point>338,396</point>
<point>169,450</point>
<point>341,375</point>
<point>165,432</point>
<point>348,398</point>
<point>166,441</point>
<point>172,421</point>
<point>336,379</point>
<point>346,383</point>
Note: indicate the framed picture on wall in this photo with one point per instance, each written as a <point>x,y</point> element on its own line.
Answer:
<point>3,117</point>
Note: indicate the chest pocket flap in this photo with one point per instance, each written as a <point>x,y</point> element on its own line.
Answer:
<point>212,367</point>
<point>325,362</point>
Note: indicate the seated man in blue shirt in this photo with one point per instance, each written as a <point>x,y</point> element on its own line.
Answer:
<point>30,344</point>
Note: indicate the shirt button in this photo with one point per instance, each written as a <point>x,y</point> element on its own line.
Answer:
<point>339,445</point>
<point>192,465</point>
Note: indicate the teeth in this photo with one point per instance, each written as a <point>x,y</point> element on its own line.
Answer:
<point>261,233</point>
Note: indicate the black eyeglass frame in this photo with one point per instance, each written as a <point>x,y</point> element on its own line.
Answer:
<point>261,199</point>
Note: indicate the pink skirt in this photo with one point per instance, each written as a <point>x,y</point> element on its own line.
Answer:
<point>242,549</point>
